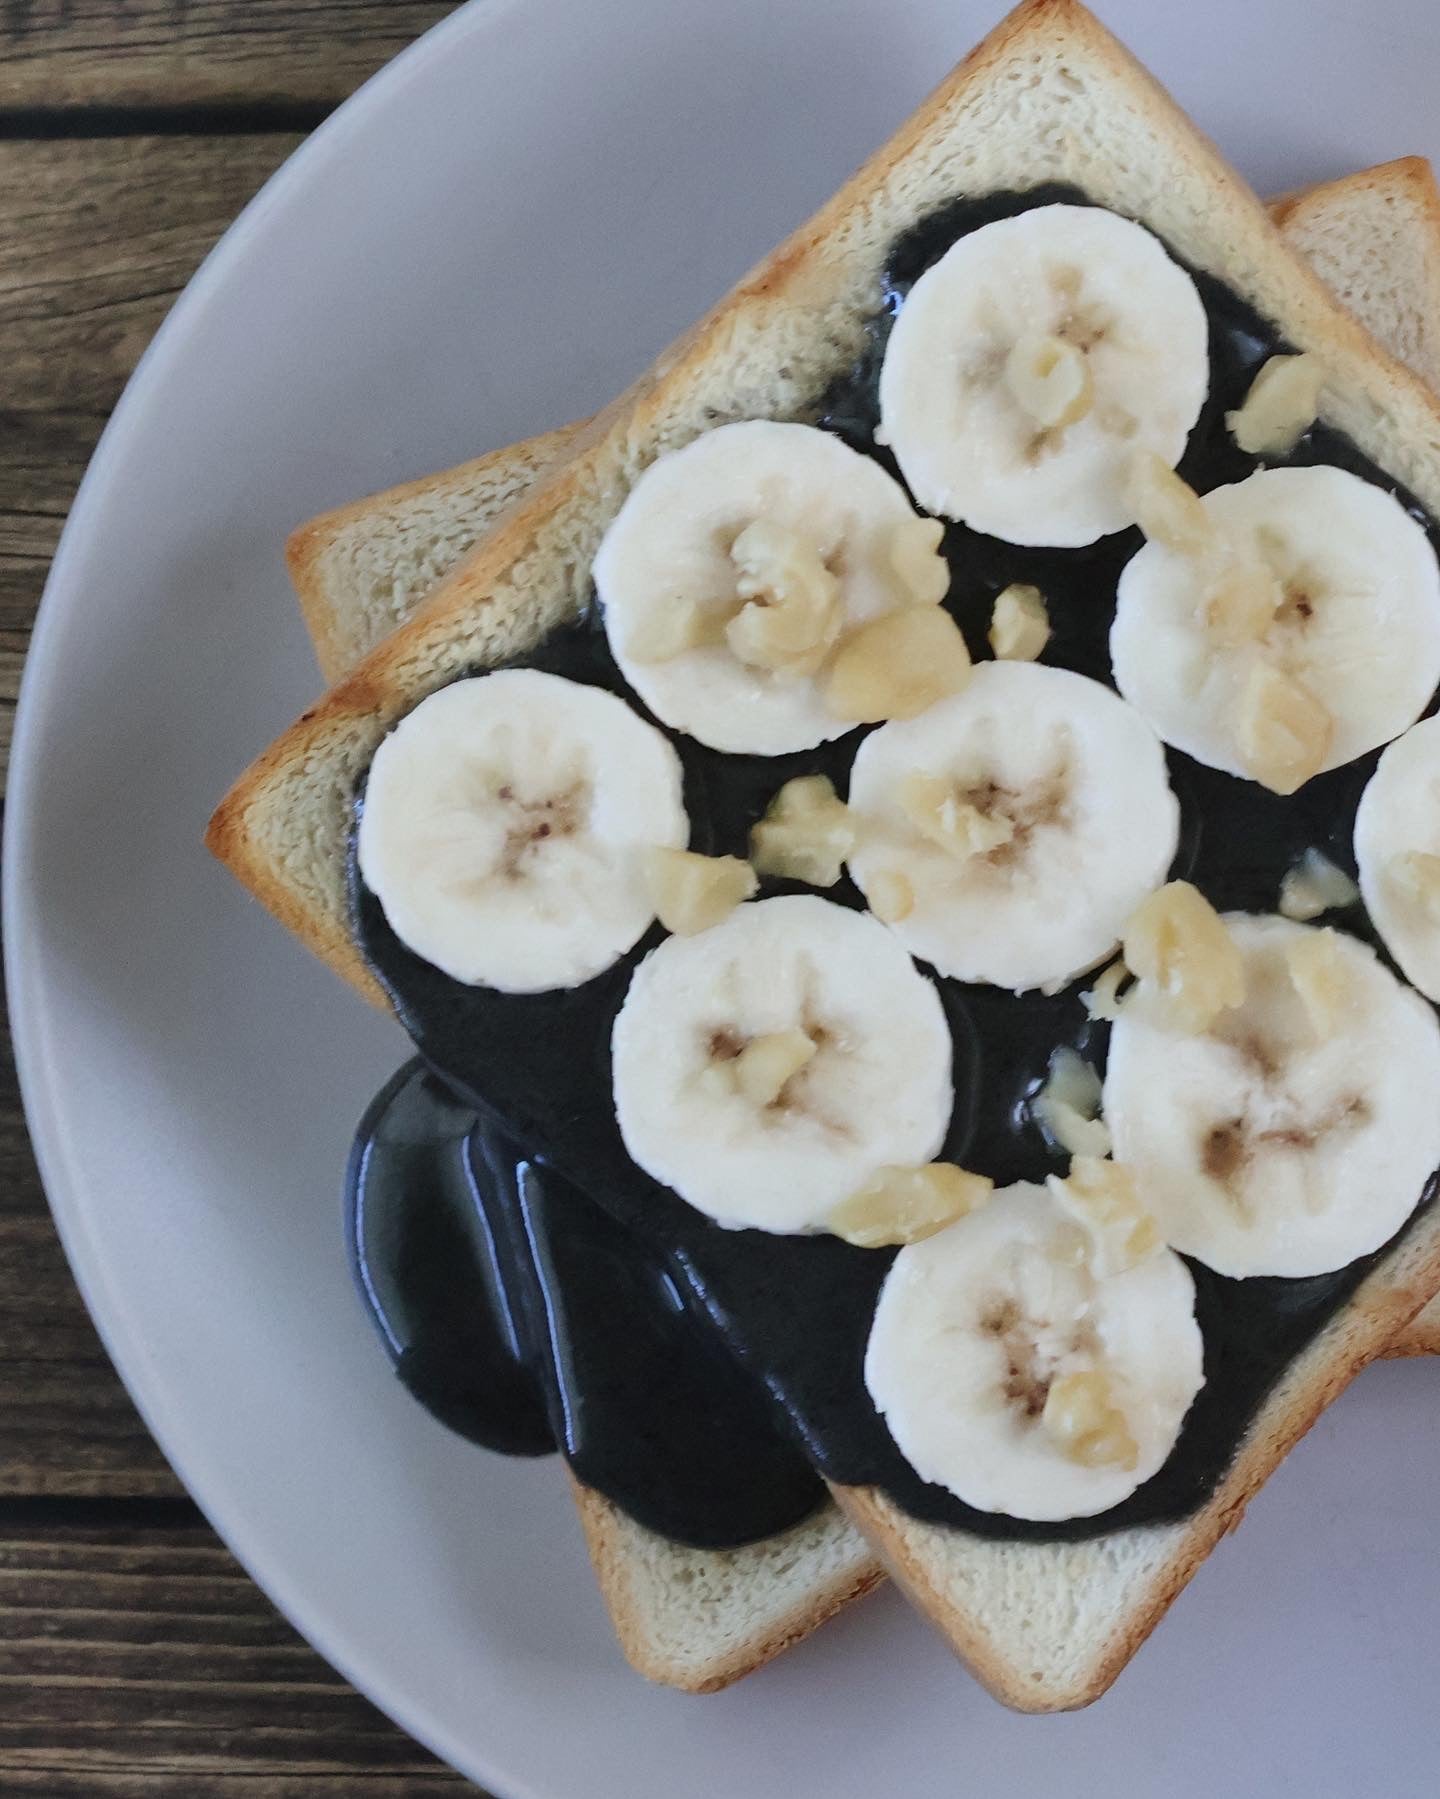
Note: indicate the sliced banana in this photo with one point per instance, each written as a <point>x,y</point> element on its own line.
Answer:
<point>1029,815</point>
<point>1397,847</point>
<point>1348,659</point>
<point>505,825</point>
<point>767,1069</point>
<point>1031,362</point>
<point>736,565</point>
<point>1013,1376</point>
<point>1298,1130</point>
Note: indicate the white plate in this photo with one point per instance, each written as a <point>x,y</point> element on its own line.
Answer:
<point>492,238</point>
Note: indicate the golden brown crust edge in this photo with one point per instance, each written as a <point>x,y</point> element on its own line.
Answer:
<point>1381,1304</point>
<point>1412,173</point>
<point>309,543</point>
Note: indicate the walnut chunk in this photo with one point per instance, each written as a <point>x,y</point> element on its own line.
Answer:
<point>1282,731</point>
<point>1315,885</point>
<point>1281,406</point>
<point>1087,1424</point>
<point>920,574</point>
<point>1050,380</point>
<point>903,1205</point>
<point>1178,942</point>
<point>1166,508</point>
<point>1101,1197</point>
<point>1102,1001</point>
<point>1019,623</point>
<point>890,896</point>
<point>897,666</point>
<point>1318,977</point>
<point>791,616</point>
<point>806,834</point>
<point>691,893</point>
<point>937,810</point>
<point>1417,874</point>
<point>1067,1107</point>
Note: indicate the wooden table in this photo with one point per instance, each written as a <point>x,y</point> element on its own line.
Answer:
<point>135,1656</point>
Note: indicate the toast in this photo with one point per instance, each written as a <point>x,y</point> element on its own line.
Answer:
<point>1049,96</point>
<point>361,569</point>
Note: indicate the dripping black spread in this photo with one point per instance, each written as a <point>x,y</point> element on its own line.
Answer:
<point>795,1311</point>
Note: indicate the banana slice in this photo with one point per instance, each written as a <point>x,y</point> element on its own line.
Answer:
<point>1013,1376</point>
<point>1348,658</point>
<point>505,825</point>
<point>767,1069</point>
<point>1031,362</point>
<point>1298,1130</point>
<point>735,566</point>
<point>1397,847</point>
<point>1029,815</point>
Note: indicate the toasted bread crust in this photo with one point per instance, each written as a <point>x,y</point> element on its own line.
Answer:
<point>342,632</point>
<point>768,348</point>
<point>851,1573</point>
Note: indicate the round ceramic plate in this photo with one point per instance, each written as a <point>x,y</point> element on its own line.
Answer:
<point>492,237</point>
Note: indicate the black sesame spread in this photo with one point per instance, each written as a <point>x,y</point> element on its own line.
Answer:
<point>535,1286</point>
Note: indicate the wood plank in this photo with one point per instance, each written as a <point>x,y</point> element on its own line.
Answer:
<point>199,52</point>
<point>97,238</point>
<point>142,1660</point>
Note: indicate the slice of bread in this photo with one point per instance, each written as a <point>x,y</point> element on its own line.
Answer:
<point>1374,239</point>
<point>1050,95</point>
<point>361,569</point>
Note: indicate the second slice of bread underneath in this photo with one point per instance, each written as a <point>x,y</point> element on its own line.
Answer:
<point>1049,97</point>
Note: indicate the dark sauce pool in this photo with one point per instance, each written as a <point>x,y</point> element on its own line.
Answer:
<point>796,1311</point>
<point>526,1318</point>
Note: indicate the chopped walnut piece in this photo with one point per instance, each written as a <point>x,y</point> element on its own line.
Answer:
<point>1102,1199</point>
<point>1318,976</point>
<point>1103,999</point>
<point>921,574</point>
<point>890,895</point>
<point>1178,941</point>
<point>1082,1415</point>
<point>1068,1105</point>
<point>1282,730</point>
<point>806,834</point>
<point>897,666</point>
<point>1315,885</point>
<point>902,1205</point>
<point>1019,623</point>
<point>691,893</point>
<point>1417,874</point>
<point>1050,379</point>
<point>1281,406</point>
<point>791,616</point>
<point>942,817</point>
<point>1167,509</point>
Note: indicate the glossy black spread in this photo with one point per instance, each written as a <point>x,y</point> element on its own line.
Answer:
<point>798,1310</point>
<point>523,1316</point>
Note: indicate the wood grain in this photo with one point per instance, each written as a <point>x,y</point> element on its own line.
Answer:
<point>97,237</point>
<point>195,53</point>
<point>126,1648</point>
<point>136,1657</point>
